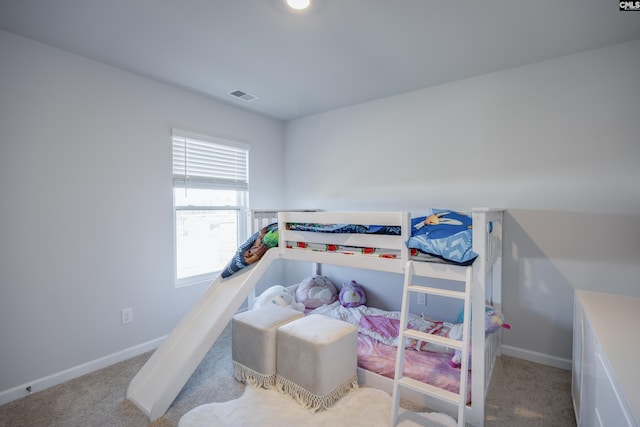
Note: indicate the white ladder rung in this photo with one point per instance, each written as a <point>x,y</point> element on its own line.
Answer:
<point>436,291</point>
<point>436,339</point>
<point>430,390</point>
<point>458,399</point>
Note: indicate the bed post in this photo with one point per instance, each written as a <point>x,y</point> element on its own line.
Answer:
<point>487,276</point>
<point>405,231</point>
<point>254,221</point>
<point>478,295</point>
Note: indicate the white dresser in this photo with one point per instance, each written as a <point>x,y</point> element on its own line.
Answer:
<point>606,360</point>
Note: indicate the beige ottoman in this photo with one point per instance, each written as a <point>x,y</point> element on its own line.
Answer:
<point>253,345</point>
<point>316,360</point>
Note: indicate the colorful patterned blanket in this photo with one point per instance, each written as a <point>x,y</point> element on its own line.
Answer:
<point>253,249</point>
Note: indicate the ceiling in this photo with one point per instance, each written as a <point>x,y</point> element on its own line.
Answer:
<point>340,53</point>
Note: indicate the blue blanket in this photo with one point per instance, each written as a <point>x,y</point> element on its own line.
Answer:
<point>444,234</point>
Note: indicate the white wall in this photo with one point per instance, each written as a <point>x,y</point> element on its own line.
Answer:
<point>86,222</point>
<point>556,143</point>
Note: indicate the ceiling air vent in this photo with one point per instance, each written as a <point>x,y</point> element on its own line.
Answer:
<point>243,95</point>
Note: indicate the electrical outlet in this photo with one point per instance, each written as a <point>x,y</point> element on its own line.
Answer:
<point>127,315</point>
<point>422,299</point>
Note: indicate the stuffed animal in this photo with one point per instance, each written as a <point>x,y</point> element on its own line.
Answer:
<point>352,295</point>
<point>493,320</point>
<point>278,295</point>
<point>316,291</point>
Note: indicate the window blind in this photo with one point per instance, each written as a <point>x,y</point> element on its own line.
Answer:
<point>205,162</point>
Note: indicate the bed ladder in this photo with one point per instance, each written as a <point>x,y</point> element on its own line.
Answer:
<point>459,399</point>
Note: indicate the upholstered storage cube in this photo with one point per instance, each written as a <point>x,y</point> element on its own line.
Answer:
<point>253,345</point>
<point>316,360</point>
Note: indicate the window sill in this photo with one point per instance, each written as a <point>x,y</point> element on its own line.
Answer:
<point>196,280</point>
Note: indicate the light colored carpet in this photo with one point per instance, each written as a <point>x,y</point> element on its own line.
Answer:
<point>98,399</point>
<point>363,407</point>
<point>521,394</point>
<point>527,394</point>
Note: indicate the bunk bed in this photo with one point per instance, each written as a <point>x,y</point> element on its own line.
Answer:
<point>164,374</point>
<point>380,241</point>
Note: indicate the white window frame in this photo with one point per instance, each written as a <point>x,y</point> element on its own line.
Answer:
<point>223,178</point>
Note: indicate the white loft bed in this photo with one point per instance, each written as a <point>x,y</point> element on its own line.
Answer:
<point>485,284</point>
<point>159,381</point>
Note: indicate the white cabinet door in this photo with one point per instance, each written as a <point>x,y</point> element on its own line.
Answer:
<point>578,342</point>
<point>608,410</point>
<point>588,377</point>
<point>598,396</point>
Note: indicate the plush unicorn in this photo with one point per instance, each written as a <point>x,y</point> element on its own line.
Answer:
<point>493,320</point>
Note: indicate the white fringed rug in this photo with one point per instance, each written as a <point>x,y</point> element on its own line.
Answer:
<point>366,407</point>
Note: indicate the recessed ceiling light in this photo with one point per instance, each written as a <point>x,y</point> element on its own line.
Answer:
<point>298,4</point>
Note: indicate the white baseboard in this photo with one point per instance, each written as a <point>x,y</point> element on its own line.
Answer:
<point>40,384</point>
<point>532,356</point>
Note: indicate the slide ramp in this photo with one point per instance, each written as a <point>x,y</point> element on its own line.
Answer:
<point>159,381</point>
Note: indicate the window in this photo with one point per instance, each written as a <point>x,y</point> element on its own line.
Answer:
<point>210,199</point>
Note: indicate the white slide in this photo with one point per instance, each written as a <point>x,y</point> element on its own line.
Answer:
<point>159,381</point>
